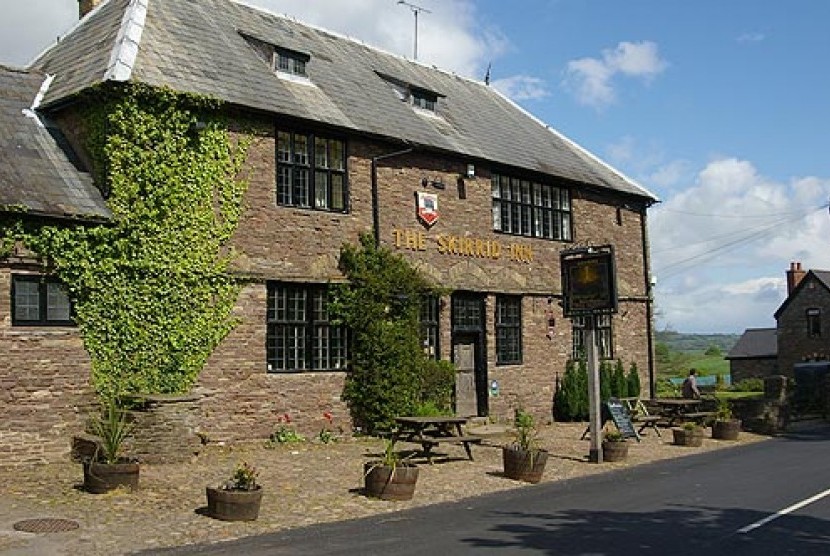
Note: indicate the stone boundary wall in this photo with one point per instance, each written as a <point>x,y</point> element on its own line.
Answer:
<point>165,429</point>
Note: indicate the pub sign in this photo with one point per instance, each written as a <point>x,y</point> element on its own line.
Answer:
<point>589,281</point>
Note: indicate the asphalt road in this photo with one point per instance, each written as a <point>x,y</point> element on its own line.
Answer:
<point>724,502</point>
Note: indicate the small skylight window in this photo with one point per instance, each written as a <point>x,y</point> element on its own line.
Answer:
<point>424,100</point>
<point>287,61</point>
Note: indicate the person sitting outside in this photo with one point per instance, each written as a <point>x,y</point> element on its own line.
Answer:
<point>690,390</point>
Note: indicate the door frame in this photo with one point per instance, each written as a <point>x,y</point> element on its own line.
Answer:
<point>476,334</point>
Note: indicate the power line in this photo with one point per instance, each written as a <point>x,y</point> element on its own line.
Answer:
<point>754,234</point>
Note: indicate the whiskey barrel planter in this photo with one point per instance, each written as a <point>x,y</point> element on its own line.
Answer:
<point>233,505</point>
<point>100,478</point>
<point>726,430</point>
<point>388,482</point>
<point>524,465</point>
<point>614,451</point>
<point>688,437</point>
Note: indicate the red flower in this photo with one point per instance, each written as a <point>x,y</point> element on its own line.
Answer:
<point>327,416</point>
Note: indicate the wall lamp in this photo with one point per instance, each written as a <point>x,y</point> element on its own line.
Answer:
<point>437,184</point>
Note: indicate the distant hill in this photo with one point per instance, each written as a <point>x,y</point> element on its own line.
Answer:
<point>683,342</point>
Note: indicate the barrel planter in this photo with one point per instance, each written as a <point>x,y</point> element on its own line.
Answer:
<point>100,478</point>
<point>614,451</point>
<point>388,482</point>
<point>726,430</point>
<point>524,465</point>
<point>233,505</point>
<point>688,437</point>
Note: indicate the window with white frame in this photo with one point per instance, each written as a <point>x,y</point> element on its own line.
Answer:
<point>311,171</point>
<point>604,335</point>
<point>299,334</point>
<point>40,301</point>
<point>526,208</point>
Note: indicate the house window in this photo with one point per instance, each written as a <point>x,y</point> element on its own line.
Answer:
<point>424,100</point>
<point>508,330</point>
<point>604,335</point>
<point>814,323</point>
<point>429,326</point>
<point>526,208</point>
<point>299,336</point>
<point>40,301</point>
<point>286,61</point>
<point>311,171</point>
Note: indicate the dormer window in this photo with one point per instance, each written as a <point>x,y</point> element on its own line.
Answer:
<point>424,100</point>
<point>288,61</point>
<point>417,96</point>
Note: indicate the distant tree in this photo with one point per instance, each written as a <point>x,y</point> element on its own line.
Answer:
<point>713,351</point>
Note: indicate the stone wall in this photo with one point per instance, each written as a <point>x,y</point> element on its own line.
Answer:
<point>740,369</point>
<point>769,415</point>
<point>164,429</point>
<point>45,393</point>
<point>239,399</point>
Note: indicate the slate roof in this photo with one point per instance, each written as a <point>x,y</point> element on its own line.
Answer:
<point>37,170</point>
<point>821,276</point>
<point>198,46</point>
<point>755,343</point>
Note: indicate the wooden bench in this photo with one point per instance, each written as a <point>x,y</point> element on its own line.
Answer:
<point>429,442</point>
<point>698,416</point>
<point>647,421</point>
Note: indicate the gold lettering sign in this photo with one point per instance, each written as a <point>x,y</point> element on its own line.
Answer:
<point>462,246</point>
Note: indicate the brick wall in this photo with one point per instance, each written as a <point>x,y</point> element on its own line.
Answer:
<point>794,344</point>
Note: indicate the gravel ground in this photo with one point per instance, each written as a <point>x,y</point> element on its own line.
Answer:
<point>304,484</point>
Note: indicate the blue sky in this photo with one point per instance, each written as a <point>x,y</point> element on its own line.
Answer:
<point>719,107</point>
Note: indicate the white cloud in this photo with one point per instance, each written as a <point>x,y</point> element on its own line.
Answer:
<point>589,79</point>
<point>522,87</point>
<point>751,37</point>
<point>720,248</point>
<point>449,36</point>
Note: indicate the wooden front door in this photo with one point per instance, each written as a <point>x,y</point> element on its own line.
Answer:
<point>464,356</point>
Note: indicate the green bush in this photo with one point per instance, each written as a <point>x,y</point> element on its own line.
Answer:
<point>437,385</point>
<point>390,375</point>
<point>749,385</point>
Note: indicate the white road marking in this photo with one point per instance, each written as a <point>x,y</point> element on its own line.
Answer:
<point>783,512</point>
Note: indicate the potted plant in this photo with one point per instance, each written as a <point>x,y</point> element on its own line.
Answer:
<point>524,460</point>
<point>237,499</point>
<point>391,477</point>
<point>690,434</point>
<point>725,427</point>
<point>107,469</point>
<point>614,446</point>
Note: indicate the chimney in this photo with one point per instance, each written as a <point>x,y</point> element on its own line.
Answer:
<point>794,276</point>
<point>86,6</point>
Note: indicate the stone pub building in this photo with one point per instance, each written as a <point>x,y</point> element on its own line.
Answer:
<point>477,193</point>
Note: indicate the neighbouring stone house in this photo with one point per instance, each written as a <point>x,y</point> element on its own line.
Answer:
<point>801,335</point>
<point>448,172</point>
<point>802,319</point>
<point>755,354</point>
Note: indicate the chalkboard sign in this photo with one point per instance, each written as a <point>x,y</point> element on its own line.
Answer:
<point>615,410</point>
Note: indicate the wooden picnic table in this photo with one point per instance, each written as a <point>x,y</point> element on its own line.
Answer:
<point>678,409</point>
<point>432,431</point>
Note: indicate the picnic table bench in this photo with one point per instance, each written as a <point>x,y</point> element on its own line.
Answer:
<point>430,432</point>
